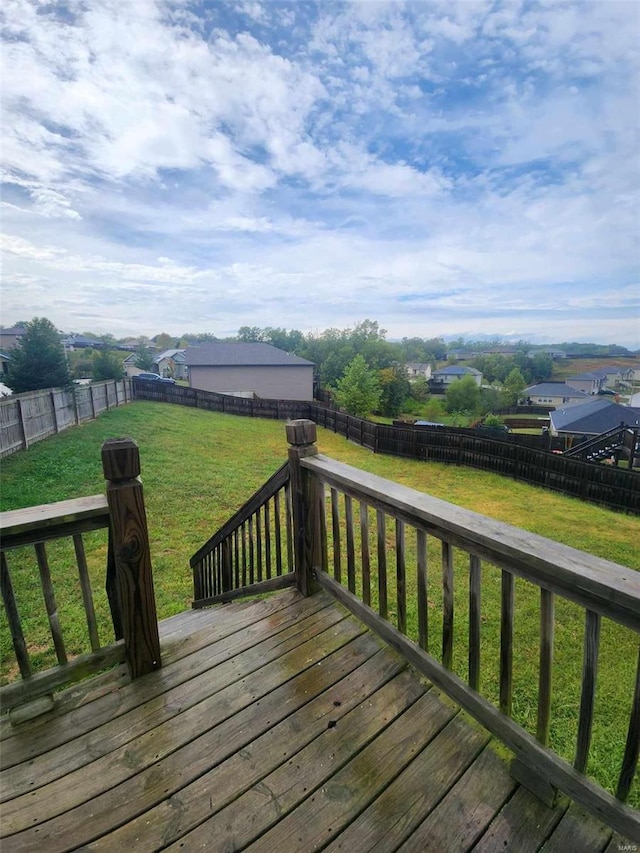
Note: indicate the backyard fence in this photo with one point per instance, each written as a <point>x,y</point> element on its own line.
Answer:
<point>30,417</point>
<point>609,486</point>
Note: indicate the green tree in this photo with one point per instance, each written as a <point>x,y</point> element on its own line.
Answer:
<point>395,389</point>
<point>163,341</point>
<point>107,365</point>
<point>358,392</point>
<point>513,387</point>
<point>144,358</point>
<point>38,360</point>
<point>463,395</point>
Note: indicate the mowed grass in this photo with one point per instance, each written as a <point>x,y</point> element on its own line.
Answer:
<point>199,467</point>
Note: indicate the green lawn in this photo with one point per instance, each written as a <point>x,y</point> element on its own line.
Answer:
<point>198,467</point>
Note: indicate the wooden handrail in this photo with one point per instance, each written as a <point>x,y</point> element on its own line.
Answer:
<point>52,521</point>
<point>596,584</point>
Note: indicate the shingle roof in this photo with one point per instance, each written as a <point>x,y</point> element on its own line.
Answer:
<point>592,374</point>
<point>175,354</point>
<point>554,389</point>
<point>596,416</point>
<point>453,370</point>
<point>241,354</point>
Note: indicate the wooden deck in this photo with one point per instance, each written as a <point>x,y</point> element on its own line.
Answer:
<point>275,725</point>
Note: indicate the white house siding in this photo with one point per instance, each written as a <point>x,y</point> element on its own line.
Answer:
<point>552,400</point>
<point>276,382</point>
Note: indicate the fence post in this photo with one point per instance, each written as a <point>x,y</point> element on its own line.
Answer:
<point>134,578</point>
<point>301,435</point>
<point>23,425</point>
<point>52,396</point>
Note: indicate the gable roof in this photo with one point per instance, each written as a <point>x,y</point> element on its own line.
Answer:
<point>242,355</point>
<point>176,354</point>
<point>555,389</point>
<point>454,370</point>
<point>594,417</point>
<point>592,374</point>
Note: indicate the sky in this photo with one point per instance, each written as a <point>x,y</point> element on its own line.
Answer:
<point>444,168</point>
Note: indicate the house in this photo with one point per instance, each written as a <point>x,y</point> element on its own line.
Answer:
<point>556,354</point>
<point>417,370</point>
<point>171,363</point>
<point>590,383</point>
<point>441,379</point>
<point>10,337</point>
<point>4,363</point>
<point>74,342</point>
<point>461,355</point>
<point>250,369</point>
<point>593,417</point>
<point>616,374</point>
<point>129,365</point>
<point>553,394</point>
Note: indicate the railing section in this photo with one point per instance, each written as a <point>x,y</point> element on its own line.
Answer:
<point>514,627</point>
<point>38,538</point>
<point>45,546</point>
<point>252,550</point>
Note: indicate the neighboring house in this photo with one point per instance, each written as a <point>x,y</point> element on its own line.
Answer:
<point>250,368</point>
<point>171,363</point>
<point>129,365</point>
<point>553,394</point>
<point>416,370</point>
<point>501,351</point>
<point>593,417</point>
<point>441,379</point>
<point>74,342</point>
<point>461,355</point>
<point>616,374</point>
<point>10,337</point>
<point>556,354</point>
<point>4,363</point>
<point>590,383</point>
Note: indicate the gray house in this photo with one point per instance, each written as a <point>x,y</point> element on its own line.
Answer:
<point>593,417</point>
<point>250,369</point>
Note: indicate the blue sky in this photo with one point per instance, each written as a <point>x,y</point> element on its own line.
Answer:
<point>443,168</point>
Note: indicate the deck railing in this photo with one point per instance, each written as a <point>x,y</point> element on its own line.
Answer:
<point>129,583</point>
<point>252,552</point>
<point>372,544</point>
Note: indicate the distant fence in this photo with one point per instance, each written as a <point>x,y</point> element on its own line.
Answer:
<point>30,417</point>
<point>609,486</point>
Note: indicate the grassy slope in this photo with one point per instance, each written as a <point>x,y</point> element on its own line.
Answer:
<point>198,467</point>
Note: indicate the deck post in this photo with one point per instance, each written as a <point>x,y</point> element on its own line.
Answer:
<point>301,435</point>
<point>134,578</point>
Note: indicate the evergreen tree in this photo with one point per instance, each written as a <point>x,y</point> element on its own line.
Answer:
<point>358,392</point>
<point>107,365</point>
<point>38,360</point>
<point>144,358</point>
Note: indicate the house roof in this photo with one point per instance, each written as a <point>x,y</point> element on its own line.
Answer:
<point>14,330</point>
<point>594,417</point>
<point>592,374</point>
<point>175,354</point>
<point>454,370</point>
<point>242,355</point>
<point>554,389</point>
<point>417,365</point>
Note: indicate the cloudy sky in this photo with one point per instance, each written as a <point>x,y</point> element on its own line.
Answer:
<point>440,167</point>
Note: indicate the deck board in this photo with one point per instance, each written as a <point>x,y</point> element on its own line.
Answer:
<point>276,724</point>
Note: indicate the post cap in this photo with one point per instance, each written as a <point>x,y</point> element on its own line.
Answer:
<point>301,432</point>
<point>120,459</point>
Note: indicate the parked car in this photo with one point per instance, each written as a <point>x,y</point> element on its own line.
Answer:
<point>154,377</point>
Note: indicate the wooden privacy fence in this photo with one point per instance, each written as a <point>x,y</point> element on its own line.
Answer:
<point>30,417</point>
<point>397,558</point>
<point>609,486</point>
<point>37,532</point>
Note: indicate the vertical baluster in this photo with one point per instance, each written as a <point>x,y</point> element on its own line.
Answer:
<point>382,563</point>
<point>85,587</point>
<point>423,613</point>
<point>252,577</point>
<point>587,699</point>
<point>366,559</point>
<point>13,618</point>
<point>351,553</point>
<point>401,577</point>
<point>547,626</point>
<point>335,529</point>
<point>289,531</point>
<point>258,527</point>
<point>447,604</point>
<point>278,532</point>
<point>506,643</point>
<point>267,540</point>
<point>322,521</point>
<point>236,558</point>
<point>243,537</point>
<point>475,582</point>
<point>632,747</point>
<point>50,603</point>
